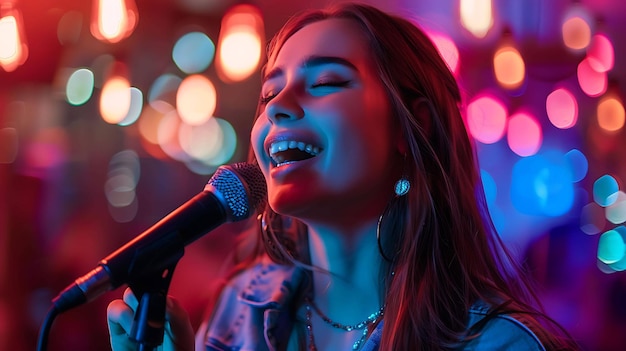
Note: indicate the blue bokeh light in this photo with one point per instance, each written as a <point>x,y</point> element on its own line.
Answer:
<point>542,185</point>
<point>578,164</point>
<point>489,184</point>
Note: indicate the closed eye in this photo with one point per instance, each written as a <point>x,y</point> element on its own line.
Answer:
<point>322,88</point>
<point>331,84</point>
<point>264,100</point>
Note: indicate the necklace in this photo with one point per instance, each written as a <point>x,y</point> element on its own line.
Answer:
<point>311,306</point>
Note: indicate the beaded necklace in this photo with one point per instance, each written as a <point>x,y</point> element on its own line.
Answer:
<point>364,325</point>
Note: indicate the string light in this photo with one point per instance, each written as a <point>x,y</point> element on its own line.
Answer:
<point>113,20</point>
<point>13,47</point>
<point>240,43</point>
<point>508,65</point>
<point>576,28</point>
<point>477,16</point>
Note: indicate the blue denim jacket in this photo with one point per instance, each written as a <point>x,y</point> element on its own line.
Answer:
<point>254,314</point>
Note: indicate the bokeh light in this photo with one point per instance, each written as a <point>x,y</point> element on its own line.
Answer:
<point>592,219</point>
<point>193,52</point>
<point>115,100</point>
<point>10,41</point>
<point>447,49</point>
<point>542,185</point>
<point>486,119</point>
<point>592,82</point>
<point>619,265</point>
<point>524,134</point>
<point>212,143</point>
<point>136,106</point>
<point>113,20</point>
<point>167,136</point>
<point>196,99</point>
<point>148,124</point>
<point>605,190</point>
<point>490,187</point>
<point>79,86</point>
<point>48,149</point>
<point>509,67</point>
<point>240,53</point>
<point>162,93</point>
<point>120,186</point>
<point>240,43</point>
<point>616,212</point>
<point>229,144</point>
<point>562,108</point>
<point>201,141</point>
<point>578,164</point>
<point>477,16</point>
<point>611,246</point>
<point>576,31</point>
<point>13,46</point>
<point>610,113</point>
<point>600,54</point>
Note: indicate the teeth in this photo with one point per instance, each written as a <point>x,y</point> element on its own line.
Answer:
<point>285,145</point>
<point>292,144</point>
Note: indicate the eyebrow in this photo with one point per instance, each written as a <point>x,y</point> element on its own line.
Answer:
<point>313,61</point>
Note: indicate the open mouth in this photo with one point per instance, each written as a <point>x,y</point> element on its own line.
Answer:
<point>288,151</point>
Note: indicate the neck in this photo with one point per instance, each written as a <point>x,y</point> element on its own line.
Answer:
<point>347,286</point>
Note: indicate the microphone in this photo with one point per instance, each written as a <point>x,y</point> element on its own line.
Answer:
<point>232,194</point>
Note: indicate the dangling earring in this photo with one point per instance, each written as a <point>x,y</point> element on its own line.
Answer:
<point>380,244</point>
<point>401,188</point>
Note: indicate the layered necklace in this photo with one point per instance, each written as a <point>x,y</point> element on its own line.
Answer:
<point>310,306</point>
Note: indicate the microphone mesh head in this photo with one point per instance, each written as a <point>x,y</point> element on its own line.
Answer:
<point>241,187</point>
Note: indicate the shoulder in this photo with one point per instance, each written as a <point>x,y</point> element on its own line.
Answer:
<point>252,307</point>
<point>501,331</point>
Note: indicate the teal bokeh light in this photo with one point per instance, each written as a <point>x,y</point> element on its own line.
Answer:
<point>612,246</point>
<point>79,87</point>
<point>193,52</point>
<point>605,190</point>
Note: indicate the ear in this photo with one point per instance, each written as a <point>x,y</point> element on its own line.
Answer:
<point>422,112</point>
<point>402,146</point>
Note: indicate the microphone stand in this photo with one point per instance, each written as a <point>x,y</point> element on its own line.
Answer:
<point>149,322</point>
<point>151,287</point>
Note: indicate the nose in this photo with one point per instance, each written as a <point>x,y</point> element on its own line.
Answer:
<point>284,107</point>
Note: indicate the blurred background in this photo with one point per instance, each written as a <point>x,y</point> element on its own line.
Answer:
<point>115,112</point>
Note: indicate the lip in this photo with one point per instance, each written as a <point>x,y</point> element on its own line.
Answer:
<point>280,172</point>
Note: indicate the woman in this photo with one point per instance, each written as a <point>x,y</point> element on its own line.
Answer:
<point>376,235</point>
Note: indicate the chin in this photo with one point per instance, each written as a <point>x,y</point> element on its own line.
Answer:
<point>289,203</point>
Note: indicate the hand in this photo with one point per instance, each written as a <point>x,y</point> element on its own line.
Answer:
<point>179,335</point>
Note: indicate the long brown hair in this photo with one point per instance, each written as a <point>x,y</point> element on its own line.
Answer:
<point>445,254</point>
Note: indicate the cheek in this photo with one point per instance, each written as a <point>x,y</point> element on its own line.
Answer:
<point>257,137</point>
